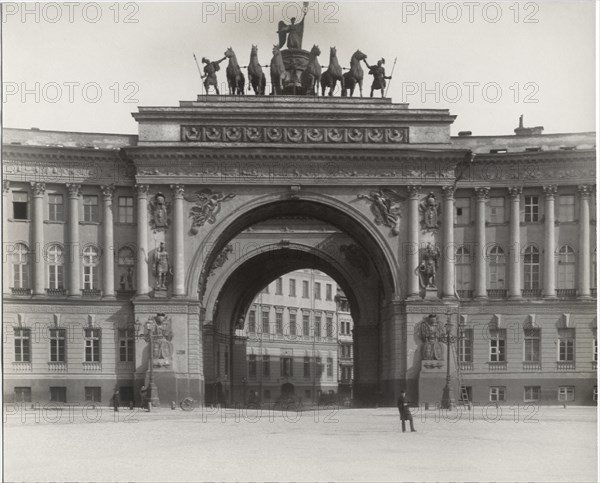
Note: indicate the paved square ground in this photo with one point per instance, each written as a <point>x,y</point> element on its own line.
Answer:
<point>487,444</point>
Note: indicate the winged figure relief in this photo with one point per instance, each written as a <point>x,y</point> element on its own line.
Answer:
<point>207,204</point>
<point>385,206</point>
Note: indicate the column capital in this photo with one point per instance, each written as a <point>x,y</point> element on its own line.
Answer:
<point>585,190</point>
<point>448,192</point>
<point>483,194</point>
<point>5,186</point>
<point>108,190</point>
<point>141,190</point>
<point>550,190</point>
<point>515,192</point>
<point>74,190</point>
<point>413,191</point>
<point>178,190</point>
<point>38,188</point>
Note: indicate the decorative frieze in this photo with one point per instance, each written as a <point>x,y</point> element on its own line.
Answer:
<point>295,135</point>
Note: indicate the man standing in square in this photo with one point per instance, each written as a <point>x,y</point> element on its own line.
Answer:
<point>405,412</point>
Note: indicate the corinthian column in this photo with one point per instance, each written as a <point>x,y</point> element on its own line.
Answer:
<point>74,192</point>
<point>549,243</point>
<point>413,242</point>
<point>178,263</point>
<point>449,251</point>
<point>480,252</point>
<point>583,286</point>
<point>109,249</point>
<point>39,267</point>
<point>514,264</point>
<point>142,240</point>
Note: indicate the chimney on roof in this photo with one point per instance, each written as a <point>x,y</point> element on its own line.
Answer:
<point>528,131</point>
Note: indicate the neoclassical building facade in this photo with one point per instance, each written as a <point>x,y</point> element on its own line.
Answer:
<point>490,239</point>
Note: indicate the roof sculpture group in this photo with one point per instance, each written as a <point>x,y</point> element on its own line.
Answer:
<point>294,71</point>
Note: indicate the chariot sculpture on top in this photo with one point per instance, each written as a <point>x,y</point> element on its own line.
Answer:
<point>293,70</point>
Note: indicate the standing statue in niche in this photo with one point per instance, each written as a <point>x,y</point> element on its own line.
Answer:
<point>431,333</point>
<point>294,31</point>
<point>161,267</point>
<point>430,211</point>
<point>428,266</point>
<point>159,334</point>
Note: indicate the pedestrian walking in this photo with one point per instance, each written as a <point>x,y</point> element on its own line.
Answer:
<point>405,412</point>
<point>143,392</point>
<point>116,400</point>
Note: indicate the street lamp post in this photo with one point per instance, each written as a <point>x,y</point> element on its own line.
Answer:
<point>148,336</point>
<point>448,401</point>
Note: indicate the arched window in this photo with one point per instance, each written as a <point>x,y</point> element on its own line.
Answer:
<point>531,268</point>
<point>463,268</point>
<point>126,263</point>
<point>55,267</point>
<point>497,268</point>
<point>90,268</point>
<point>20,265</point>
<point>566,268</point>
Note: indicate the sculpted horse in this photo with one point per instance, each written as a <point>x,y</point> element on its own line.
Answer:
<point>354,75</point>
<point>312,74</point>
<point>277,71</point>
<point>235,78</point>
<point>256,76</point>
<point>333,74</point>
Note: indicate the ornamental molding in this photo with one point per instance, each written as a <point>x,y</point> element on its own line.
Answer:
<point>63,309</point>
<point>295,135</point>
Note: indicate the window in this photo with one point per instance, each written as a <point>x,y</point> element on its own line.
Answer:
<point>58,339</point>
<point>126,262</point>
<point>22,345</point>
<point>304,289</point>
<point>266,366</point>
<point>532,393</point>
<point>90,208</point>
<point>329,367</point>
<point>566,208</point>
<point>531,268</point>
<point>566,393</point>
<point>92,345</point>
<point>58,394</point>
<point>125,209</point>
<point>293,328</point>
<point>497,265</point>
<point>498,345</point>
<point>463,268</point>
<point>532,209</point>
<point>252,365</point>
<point>305,324</point>
<point>497,393</point>
<point>317,291</point>
<point>319,366</point>
<point>252,321</point>
<point>566,267</point>
<point>20,264</point>
<point>279,322</point>
<point>90,268</point>
<point>328,292</point>
<point>497,209</point>
<point>566,345</point>
<point>317,326</point>
<point>126,345</point>
<point>292,287</point>
<point>287,367</point>
<point>22,394</point>
<point>532,345</point>
<point>20,204</point>
<point>306,367</point>
<point>56,208</point>
<point>463,211</point>
<point>465,346</point>
<point>265,321</point>
<point>279,287</point>
<point>329,326</point>
<point>93,394</point>
<point>55,268</point>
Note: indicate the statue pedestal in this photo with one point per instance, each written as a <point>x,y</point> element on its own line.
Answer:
<point>432,380</point>
<point>164,387</point>
<point>431,293</point>
<point>160,293</point>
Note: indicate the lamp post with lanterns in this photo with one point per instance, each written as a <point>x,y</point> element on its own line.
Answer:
<point>148,335</point>
<point>448,400</point>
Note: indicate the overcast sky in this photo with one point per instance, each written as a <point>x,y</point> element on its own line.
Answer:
<point>86,67</point>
